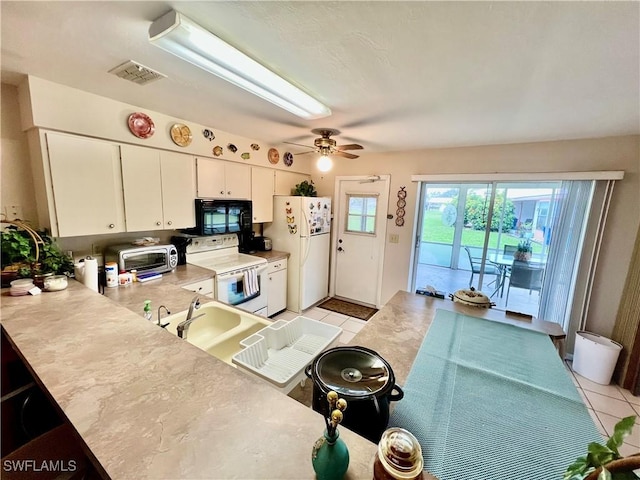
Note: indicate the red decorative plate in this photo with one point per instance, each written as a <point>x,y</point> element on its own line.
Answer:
<point>141,125</point>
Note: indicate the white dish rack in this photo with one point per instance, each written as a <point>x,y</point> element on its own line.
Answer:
<point>280,352</point>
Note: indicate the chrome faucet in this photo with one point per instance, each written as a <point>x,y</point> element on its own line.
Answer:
<point>183,327</point>
<point>168,313</point>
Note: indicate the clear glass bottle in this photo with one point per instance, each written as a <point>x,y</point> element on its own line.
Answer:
<point>147,310</point>
<point>399,456</point>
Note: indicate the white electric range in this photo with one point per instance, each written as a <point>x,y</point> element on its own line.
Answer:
<point>238,277</point>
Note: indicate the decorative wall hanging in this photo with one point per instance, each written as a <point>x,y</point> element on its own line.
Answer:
<point>246,156</point>
<point>141,125</point>
<point>291,219</point>
<point>402,195</point>
<point>255,146</point>
<point>273,155</point>
<point>217,150</point>
<point>181,135</point>
<point>232,148</point>
<point>208,134</point>
<point>288,159</point>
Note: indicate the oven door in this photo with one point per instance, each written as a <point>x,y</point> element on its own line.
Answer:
<point>231,289</point>
<point>156,260</point>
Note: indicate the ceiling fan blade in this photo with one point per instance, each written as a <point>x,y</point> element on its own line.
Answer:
<point>351,146</point>
<point>304,153</point>
<point>298,144</point>
<point>344,154</point>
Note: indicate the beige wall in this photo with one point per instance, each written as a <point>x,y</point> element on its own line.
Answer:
<point>612,153</point>
<point>15,168</point>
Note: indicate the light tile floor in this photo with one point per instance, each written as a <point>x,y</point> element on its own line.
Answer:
<point>350,325</point>
<point>607,405</point>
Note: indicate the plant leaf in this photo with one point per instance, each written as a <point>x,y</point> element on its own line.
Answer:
<point>600,454</point>
<point>604,474</point>
<point>622,429</point>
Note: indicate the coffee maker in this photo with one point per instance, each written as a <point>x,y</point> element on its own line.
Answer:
<point>180,242</point>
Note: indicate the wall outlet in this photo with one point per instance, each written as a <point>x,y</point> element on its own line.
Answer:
<point>394,238</point>
<point>14,212</point>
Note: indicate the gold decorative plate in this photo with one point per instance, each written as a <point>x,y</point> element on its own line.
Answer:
<point>273,155</point>
<point>181,135</point>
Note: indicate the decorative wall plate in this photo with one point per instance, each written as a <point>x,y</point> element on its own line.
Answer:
<point>273,155</point>
<point>208,134</point>
<point>181,135</point>
<point>232,148</point>
<point>141,125</point>
<point>288,159</point>
<point>255,146</point>
<point>217,150</point>
<point>245,155</point>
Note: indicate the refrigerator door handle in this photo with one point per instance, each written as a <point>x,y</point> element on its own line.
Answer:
<point>308,238</point>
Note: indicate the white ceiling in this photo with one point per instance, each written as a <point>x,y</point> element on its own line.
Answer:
<point>397,75</point>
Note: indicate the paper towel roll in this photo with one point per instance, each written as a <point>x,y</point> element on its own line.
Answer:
<point>90,276</point>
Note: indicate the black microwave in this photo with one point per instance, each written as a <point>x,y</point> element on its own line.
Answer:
<point>214,217</point>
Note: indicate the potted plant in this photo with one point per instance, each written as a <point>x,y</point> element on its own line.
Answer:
<point>604,462</point>
<point>28,253</point>
<point>524,251</point>
<point>304,189</point>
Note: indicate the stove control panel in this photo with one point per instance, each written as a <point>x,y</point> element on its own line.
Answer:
<point>213,242</point>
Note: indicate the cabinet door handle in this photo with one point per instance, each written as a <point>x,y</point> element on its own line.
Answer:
<point>169,222</point>
<point>158,224</point>
<point>229,192</point>
<point>111,225</point>
<point>221,192</point>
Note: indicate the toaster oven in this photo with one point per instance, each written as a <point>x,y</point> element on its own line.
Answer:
<point>150,258</point>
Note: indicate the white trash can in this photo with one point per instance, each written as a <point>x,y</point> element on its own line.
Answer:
<point>595,357</point>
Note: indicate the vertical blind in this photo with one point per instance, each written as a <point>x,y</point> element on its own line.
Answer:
<point>569,220</point>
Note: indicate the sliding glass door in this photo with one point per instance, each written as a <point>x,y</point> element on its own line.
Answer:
<point>499,238</point>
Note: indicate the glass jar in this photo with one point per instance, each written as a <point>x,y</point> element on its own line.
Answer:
<point>399,456</point>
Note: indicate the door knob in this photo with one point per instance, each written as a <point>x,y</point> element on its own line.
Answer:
<point>229,192</point>
<point>340,240</point>
<point>169,222</point>
<point>111,225</point>
<point>221,192</point>
<point>340,249</point>
<point>158,224</point>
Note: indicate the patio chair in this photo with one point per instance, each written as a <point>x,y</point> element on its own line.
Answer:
<point>489,267</point>
<point>525,275</point>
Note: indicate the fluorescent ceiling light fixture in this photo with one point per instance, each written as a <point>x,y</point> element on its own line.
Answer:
<point>324,163</point>
<point>187,40</point>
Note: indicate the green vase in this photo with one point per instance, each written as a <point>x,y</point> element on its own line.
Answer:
<point>330,457</point>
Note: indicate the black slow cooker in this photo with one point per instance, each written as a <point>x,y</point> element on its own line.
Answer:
<point>364,379</point>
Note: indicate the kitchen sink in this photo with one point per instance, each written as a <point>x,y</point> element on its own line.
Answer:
<point>219,330</point>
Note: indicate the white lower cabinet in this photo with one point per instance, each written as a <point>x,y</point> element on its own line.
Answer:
<point>203,287</point>
<point>276,286</point>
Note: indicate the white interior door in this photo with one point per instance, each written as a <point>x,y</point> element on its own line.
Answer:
<point>359,239</point>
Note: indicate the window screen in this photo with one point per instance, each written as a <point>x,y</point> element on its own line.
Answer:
<point>361,213</point>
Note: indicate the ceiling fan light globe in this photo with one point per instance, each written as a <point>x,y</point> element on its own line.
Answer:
<point>324,163</point>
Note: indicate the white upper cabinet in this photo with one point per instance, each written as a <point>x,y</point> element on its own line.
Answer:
<point>286,181</point>
<point>159,189</point>
<point>220,179</point>
<point>86,185</point>
<point>262,188</point>
<point>178,189</point>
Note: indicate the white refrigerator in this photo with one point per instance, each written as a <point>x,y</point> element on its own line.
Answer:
<point>301,226</point>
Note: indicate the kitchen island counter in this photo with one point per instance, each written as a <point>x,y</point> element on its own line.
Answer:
<point>150,405</point>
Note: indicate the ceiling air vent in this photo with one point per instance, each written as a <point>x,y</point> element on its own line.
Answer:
<point>136,73</point>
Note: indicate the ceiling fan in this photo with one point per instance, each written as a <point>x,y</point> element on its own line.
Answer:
<point>325,145</point>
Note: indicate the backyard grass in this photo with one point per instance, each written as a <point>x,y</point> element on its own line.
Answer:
<point>433,230</point>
